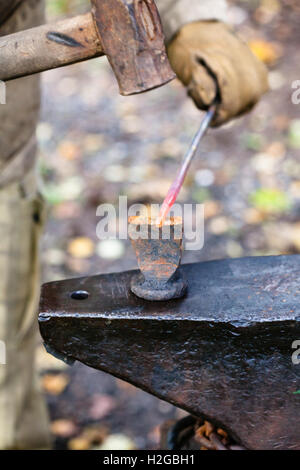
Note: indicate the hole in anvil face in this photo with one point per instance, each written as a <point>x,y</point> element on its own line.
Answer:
<point>79,295</point>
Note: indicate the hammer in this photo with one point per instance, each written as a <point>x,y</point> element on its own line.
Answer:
<point>129,32</point>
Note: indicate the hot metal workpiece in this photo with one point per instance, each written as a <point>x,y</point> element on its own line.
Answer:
<point>223,352</point>
<point>158,251</point>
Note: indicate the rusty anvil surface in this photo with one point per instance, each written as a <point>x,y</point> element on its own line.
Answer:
<point>224,352</point>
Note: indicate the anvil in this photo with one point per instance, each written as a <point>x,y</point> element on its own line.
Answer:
<point>224,352</point>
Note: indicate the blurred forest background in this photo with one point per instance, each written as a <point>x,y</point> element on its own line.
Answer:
<point>96,145</point>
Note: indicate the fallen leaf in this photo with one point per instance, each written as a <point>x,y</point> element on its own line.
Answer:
<point>222,432</point>
<point>81,247</point>
<point>78,265</point>
<point>281,122</point>
<point>69,150</point>
<point>295,189</point>
<point>266,11</point>
<point>267,52</point>
<point>93,142</point>
<point>253,216</point>
<point>79,443</point>
<point>63,428</point>
<point>55,384</point>
<point>264,163</point>
<point>276,149</point>
<point>211,209</point>
<point>95,435</point>
<point>219,225</point>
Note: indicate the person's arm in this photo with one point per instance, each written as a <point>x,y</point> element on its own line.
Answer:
<point>210,59</point>
<point>176,13</point>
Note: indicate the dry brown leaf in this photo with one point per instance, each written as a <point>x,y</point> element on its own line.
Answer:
<point>219,225</point>
<point>69,150</point>
<point>208,428</point>
<point>81,247</point>
<point>95,435</point>
<point>295,189</point>
<point>281,122</point>
<point>253,216</point>
<point>276,149</point>
<point>79,443</point>
<point>63,428</point>
<point>55,384</point>
<point>211,209</point>
<point>222,432</point>
<point>267,52</point>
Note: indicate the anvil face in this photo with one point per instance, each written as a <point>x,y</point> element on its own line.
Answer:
<point>223,352</point>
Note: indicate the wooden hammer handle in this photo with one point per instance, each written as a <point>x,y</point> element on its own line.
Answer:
<point>48,47</point>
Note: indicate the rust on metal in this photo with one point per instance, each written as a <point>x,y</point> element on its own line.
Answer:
<point>132,37</point>
<point>128,32</point>
<point>223,352</point>
<point>158,250</point>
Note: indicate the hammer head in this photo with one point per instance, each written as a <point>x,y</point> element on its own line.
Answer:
<point>132,38</point>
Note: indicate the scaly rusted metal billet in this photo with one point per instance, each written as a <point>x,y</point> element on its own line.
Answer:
<point>223,352</point>
<point>129,32</point>
<point>158,251</point>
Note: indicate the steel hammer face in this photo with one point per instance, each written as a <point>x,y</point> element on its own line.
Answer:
<point>132,38</point>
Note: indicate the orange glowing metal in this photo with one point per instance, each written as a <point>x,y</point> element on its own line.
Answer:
<point>179,180</point>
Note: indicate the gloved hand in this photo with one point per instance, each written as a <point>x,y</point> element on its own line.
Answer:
<point>212,61</point>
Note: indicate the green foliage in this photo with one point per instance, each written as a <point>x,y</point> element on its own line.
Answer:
<point>201,195</point>
<point>270,200</point>
<point>253,141</point>
<point>61,7</point>
<point>294,134</point>
<point>69,190</point>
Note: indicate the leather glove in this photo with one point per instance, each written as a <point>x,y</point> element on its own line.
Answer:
<point>213,62</point>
